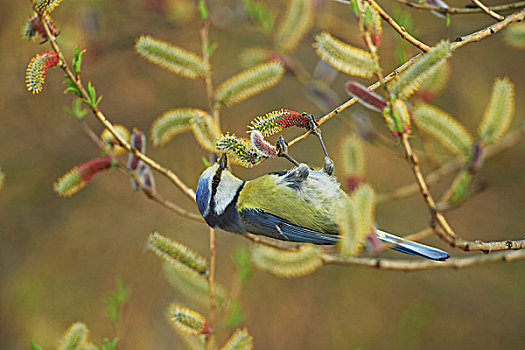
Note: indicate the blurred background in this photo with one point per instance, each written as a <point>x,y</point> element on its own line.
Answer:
<point>60,257</point>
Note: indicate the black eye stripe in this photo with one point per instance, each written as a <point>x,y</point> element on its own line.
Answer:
<point>214,185</point>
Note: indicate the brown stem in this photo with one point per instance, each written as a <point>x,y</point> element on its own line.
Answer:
<point>483,33</point>
<point>351,101</point>
<point>462,11</point>
<point>508,141</point>
<point>368,39</point>
<point>151,195</point>
<point>211,280</point>
<point>214,107</point>
<point>215,110</point>
<point>416,265</point>
<point>488,11</point>
<point>401,30</point>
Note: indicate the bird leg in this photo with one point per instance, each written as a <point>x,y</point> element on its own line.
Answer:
<point>314,129</point>
<point>281,150</point>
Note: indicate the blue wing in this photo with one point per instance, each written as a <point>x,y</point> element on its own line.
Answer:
<point>260,222</point>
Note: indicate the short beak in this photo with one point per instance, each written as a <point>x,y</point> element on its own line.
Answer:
<point>223,161</point>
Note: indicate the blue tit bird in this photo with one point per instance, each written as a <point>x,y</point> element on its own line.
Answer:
<point>297,205</point>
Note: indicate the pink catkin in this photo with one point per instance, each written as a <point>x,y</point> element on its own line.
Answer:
<point>292,118</point>
<point>90,168</point>
<point>262,147</point>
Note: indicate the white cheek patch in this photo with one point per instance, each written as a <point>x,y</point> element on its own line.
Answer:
<point>226,192</point>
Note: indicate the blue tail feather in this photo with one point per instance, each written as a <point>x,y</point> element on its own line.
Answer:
<point>412,248</point>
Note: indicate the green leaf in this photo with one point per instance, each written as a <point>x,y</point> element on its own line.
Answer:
<point>411,79</point>
<point>260,14</point>
<point>71,87</point>
<point>75,337</point>
<point>92,93</point>
<point>77,111</point>
<point>172,123</point>
<point>210,49</point>
<point>34,346</point>
<point>515,35</point>
<point>107,345</point>
<point>249,82</point>
<point>170,250</point>
<point>241,258</point>
<point>499,112</point>
<point>173,58</point>
<point>115,301</point>
<point>287,263</point>
<point>344,57</point>
<point>206,163</point>
<point>235,317</point>
<point>460,187</point>
<point>296,23</point>
<point>77,60</point>
<point>240,340</point>
<point>203,11</point>
<point>448,131</point>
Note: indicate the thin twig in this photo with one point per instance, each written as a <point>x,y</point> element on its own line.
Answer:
<point>518,16</point>
<point>488,11</point>
<point>483,33</point>
<point>368,39</point>
<point>508,141</point>
<point>211,280</point>
<point>215,109</point>
<point>459,10</point>
<point>351,101</point>
<point>154,196</point>
<point>485,247</point>
<point>108,125</point>
<point>420,179</point>
<point>401,30</point>
<point>416,265</point>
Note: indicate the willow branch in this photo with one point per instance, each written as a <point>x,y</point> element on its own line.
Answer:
<point>108,125</point>
<point>420,179</point>
<point>488,11</point>
<point>507,142</point>
<point>154,196</point>
<point>368,39</point>
<point>485,247</point>
<point>462,11</point>
<point>416,265</point>
<point>210,94</point>
<point>211,281</point>
<point>486,32</point>
<point>400,29</point>
<point>352,101</point>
